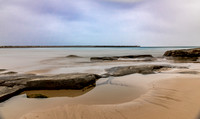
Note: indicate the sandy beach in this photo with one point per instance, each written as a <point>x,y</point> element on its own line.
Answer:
<point>172,98</point>
<point>100,59</point>
<point>151,87</point>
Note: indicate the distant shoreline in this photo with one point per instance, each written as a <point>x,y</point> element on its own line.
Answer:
<point>66,46</point>
<point>99,46</point>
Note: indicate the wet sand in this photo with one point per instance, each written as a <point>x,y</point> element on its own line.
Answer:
<point>172,98</point>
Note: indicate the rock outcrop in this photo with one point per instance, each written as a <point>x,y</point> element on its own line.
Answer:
<point>73,56</point>
<point>64,81</point>
<point>11,85</point>
<point>142,69</point>
<point>118,57</point>
<point>14,84</point>
<point>183,53</point>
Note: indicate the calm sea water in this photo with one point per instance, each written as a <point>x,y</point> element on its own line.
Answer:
<point>53,60</point>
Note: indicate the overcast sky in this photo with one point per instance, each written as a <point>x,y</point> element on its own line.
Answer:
<point>100,22</point>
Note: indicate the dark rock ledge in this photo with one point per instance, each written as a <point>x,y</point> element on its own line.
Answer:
<point>11,85</point>
<point>184,55</point>
<point>141,69</point>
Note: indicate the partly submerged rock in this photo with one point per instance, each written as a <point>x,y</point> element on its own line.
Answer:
<point>9,73</point>
<point>118,57</point>
<point>73,56</point>
<point>142,69</point>
<point>183,53</point>
<point>1,70</point>
<point>103,58</point>
<point>63,81</point>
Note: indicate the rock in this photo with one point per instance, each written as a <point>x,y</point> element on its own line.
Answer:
<point>106,75</point>
<point>7,92</point>
<point>15,84</point>
<point>20,79</point>
<point>134,56</point>
<point>142,69</point>
<point>189,72</point>
<point>73,56</point>
<point>183,53</point>
<point>63,81</point>
<point>117,57</point>
<point>36,96</point>
<point>1,70</point>
<point>103,58</point>
<point>9,73</point>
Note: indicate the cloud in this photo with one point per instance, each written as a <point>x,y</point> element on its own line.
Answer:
<point>99,22</point>
<point>125,1</point>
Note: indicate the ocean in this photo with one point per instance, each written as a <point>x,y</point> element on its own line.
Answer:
<point>53,60</point>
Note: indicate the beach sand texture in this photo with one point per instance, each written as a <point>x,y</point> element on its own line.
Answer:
<point>174,98</point>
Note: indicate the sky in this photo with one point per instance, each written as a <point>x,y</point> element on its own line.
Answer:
<point>100,22</point>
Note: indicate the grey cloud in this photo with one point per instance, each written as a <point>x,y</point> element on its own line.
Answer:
<point>147,22</point>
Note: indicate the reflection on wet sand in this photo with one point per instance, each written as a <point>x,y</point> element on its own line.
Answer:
<point>59,93</point>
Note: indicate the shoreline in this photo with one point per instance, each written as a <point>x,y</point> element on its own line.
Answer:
<point>78,46</point>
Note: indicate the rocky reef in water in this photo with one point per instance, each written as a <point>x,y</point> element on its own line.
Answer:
<point>184,55</point>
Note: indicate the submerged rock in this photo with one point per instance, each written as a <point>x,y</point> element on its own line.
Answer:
<point>36,96</point>
<point>189,72</point>
<point>142,69</point>
<point>118,57</point>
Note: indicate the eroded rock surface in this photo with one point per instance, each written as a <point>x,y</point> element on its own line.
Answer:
<point>11,85</point>
<point>14,84</point>
<point>142,69</point>
<point>183,53</point>
<point>64,81</point>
